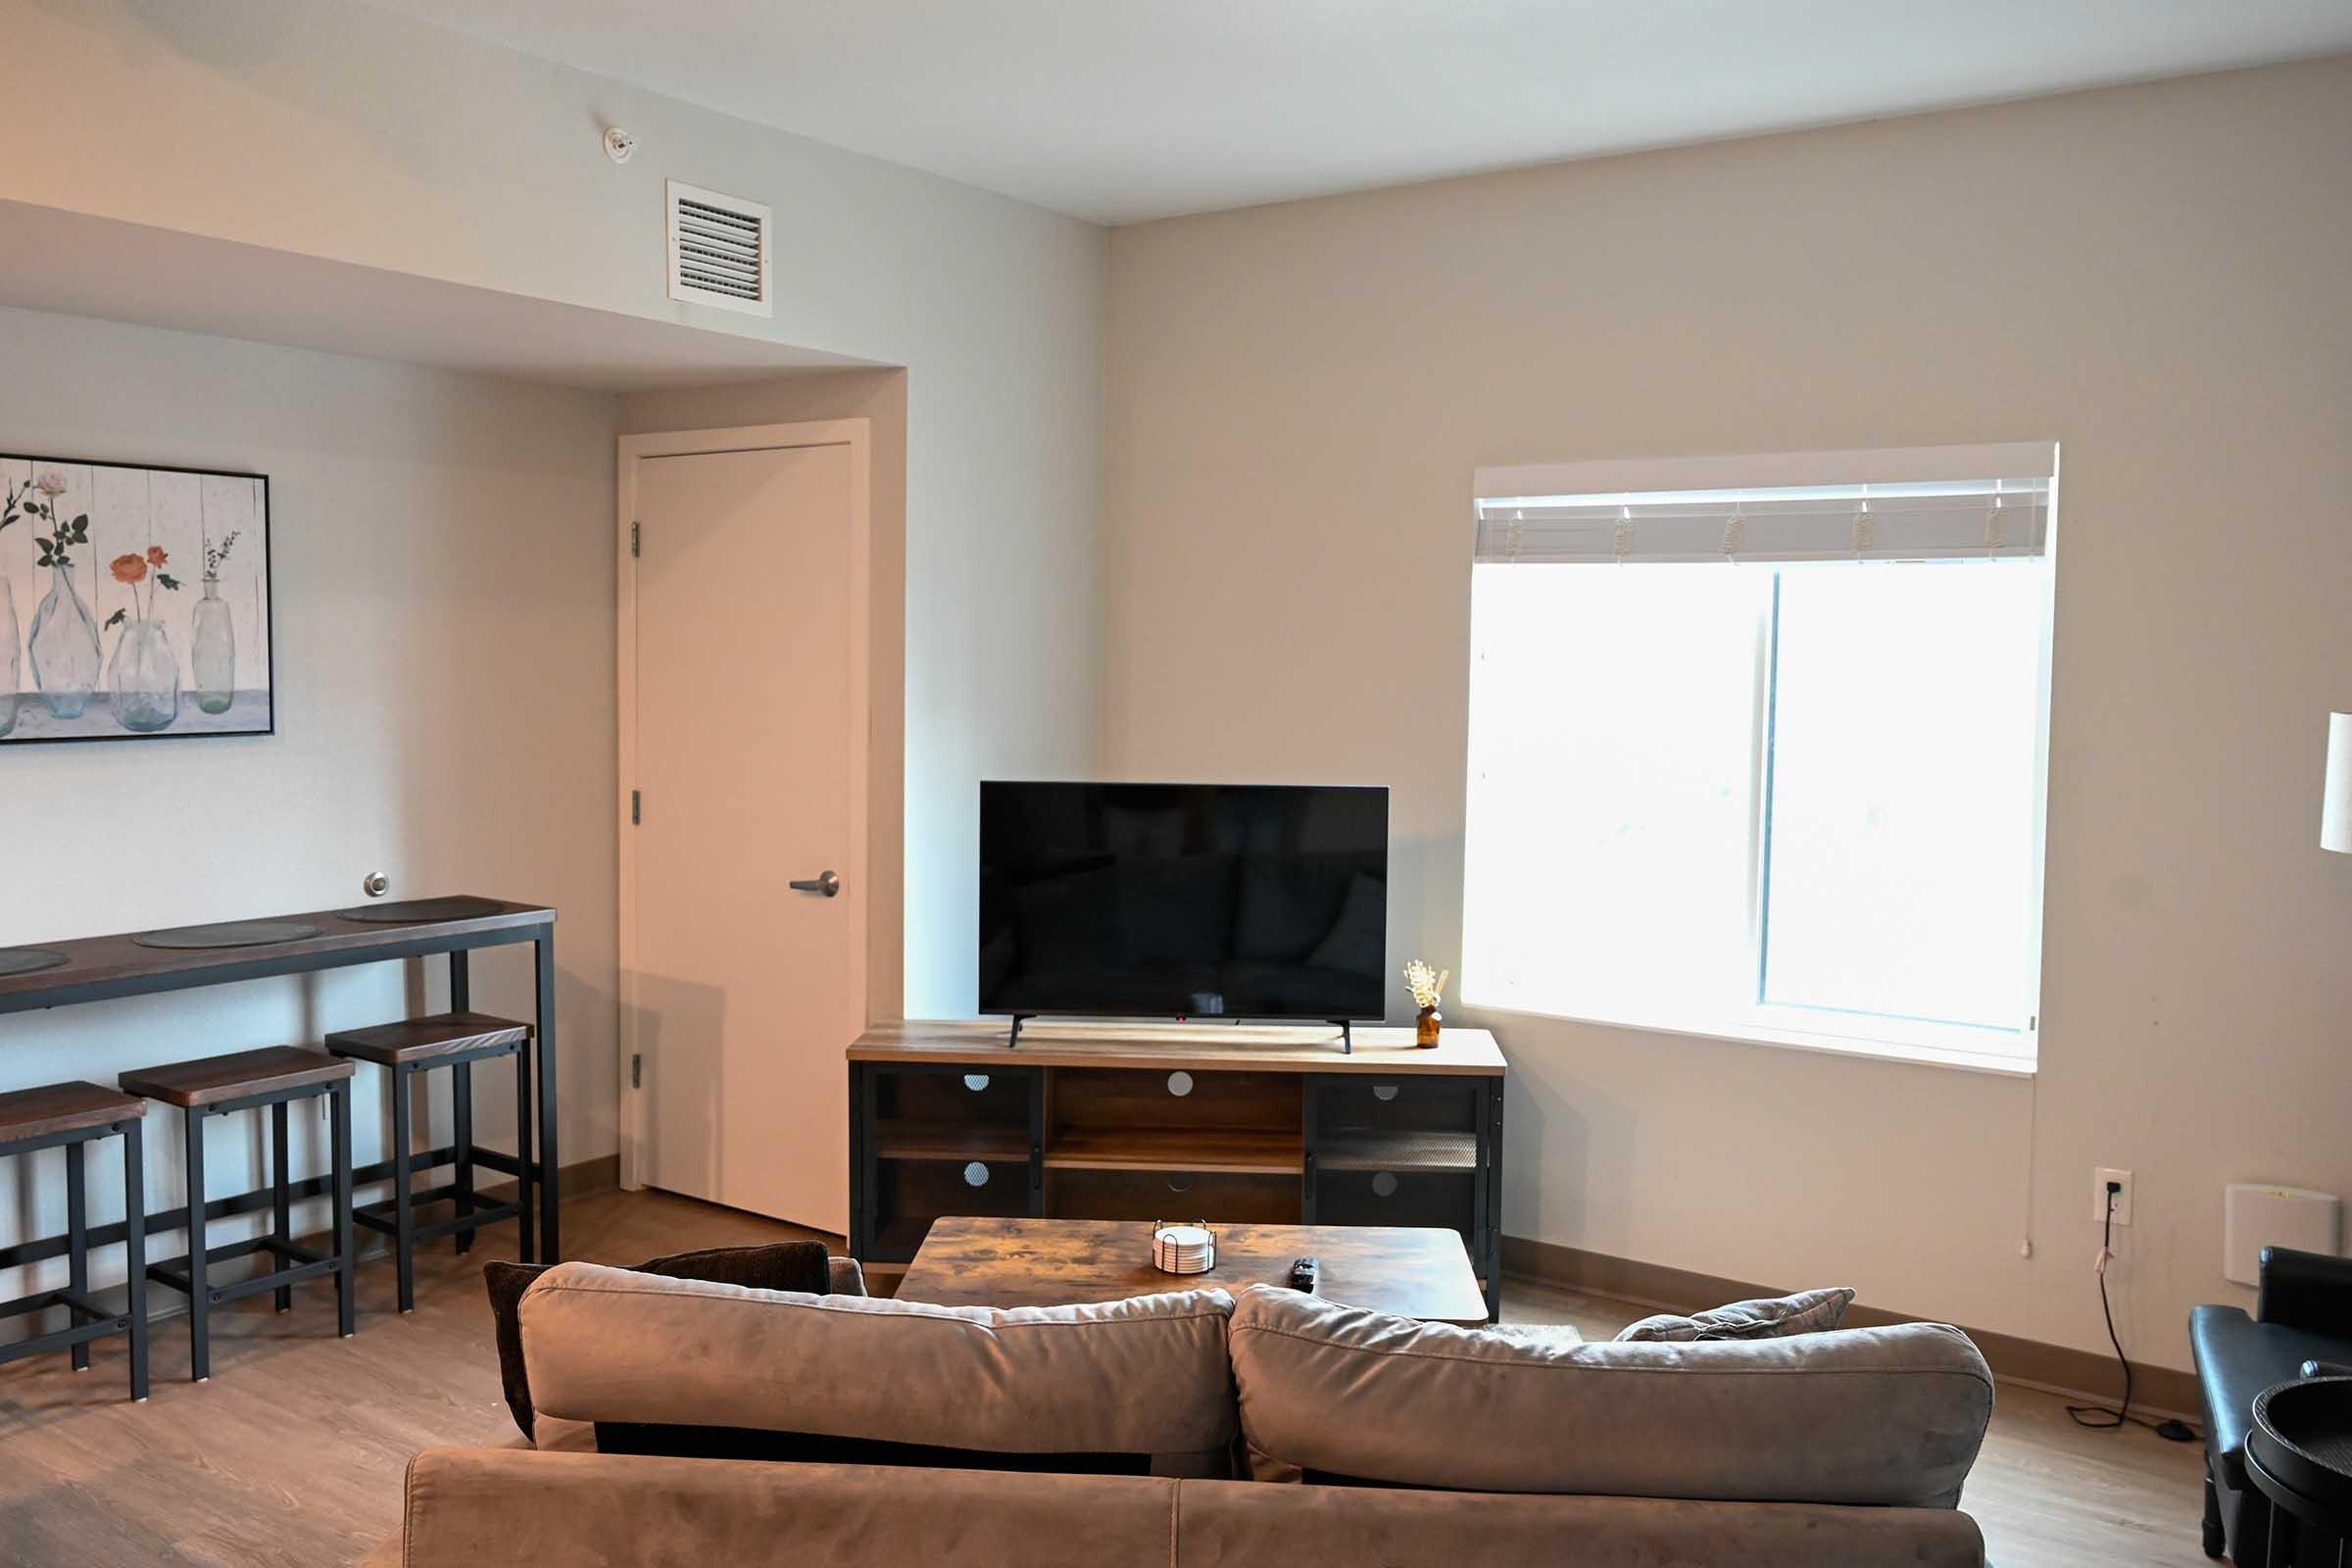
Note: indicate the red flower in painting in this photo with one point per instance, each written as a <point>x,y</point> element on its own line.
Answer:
<point>129,569</point>
<point>156,556</point>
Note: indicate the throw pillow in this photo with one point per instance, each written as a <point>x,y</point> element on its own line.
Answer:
<point>774,1266</point>
<point>1764,1318</point>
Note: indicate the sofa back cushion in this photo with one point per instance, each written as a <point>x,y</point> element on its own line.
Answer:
<point>770,1266</point>
<point>1889,1416</point>
<point>1146,1377</point>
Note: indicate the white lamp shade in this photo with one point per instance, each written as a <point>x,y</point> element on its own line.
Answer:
<point>2335,807</point>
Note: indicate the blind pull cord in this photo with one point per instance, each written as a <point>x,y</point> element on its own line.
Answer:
<point>1731,531</point>
<point>1621,541</point>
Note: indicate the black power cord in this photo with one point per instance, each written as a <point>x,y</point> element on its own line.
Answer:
<point>2089,1415</point>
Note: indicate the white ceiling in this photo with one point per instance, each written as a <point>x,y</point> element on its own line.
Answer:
<point>1120,110</point>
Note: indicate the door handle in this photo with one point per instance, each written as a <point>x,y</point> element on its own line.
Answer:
<point>825,882</point>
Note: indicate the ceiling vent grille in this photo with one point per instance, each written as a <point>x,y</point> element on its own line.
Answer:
<point>718,250</point>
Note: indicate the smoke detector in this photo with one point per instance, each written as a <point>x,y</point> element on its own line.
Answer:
<point>620,145</point>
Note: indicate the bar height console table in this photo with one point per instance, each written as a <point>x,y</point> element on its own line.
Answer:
<point>56,975</point>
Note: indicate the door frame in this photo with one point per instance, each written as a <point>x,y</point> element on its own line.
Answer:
<point>857,434</point>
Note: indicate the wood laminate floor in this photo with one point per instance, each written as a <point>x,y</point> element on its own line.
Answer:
<point>293,1453</point>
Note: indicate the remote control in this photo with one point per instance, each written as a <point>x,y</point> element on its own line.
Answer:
<point>1303,1273</point>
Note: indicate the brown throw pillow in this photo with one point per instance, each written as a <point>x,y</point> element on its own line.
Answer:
<point>1765,1318</point>
<point>774,1266</point>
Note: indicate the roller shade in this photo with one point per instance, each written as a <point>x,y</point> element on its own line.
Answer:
<point>1925,505</point>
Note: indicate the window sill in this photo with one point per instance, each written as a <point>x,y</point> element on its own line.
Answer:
<point>1999,1064</point>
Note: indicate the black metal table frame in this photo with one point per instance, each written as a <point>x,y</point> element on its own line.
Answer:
<point>230,970</point>
<point>2290,1514</point>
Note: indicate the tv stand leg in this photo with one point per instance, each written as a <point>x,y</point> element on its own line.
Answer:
<point>1013,1041</point>
<point>1346,1035</point>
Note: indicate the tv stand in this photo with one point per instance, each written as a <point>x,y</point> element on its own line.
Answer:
<point>1013,1042</point>
<point>1234,1123</point>
<point>1346,1037</point>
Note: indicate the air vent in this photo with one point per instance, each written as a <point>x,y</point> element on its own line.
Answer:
<point>718,250</point>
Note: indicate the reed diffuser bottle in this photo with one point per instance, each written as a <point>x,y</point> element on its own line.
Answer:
<point>1426,985</point>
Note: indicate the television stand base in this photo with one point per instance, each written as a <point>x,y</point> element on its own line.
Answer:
<point>1346,1035</point>
<point>1013,1042</point>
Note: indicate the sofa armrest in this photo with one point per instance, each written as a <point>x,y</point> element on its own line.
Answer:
<point>471,1506</point>
<point>2305,1291</point>
<point>844,1276</point>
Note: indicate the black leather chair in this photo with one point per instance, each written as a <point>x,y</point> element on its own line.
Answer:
<point>2302,1313</point>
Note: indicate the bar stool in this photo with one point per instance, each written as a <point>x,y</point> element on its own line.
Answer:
<point>275,1076</point>
<point>74,1115</point>
<point>454,1040</point>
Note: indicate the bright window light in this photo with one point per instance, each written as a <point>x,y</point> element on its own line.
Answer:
<point>1796,801</point>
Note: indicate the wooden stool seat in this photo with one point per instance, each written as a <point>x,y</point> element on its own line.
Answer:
<point>272,1078</point>
<point>235,1076</point>
<point>28,1113</point>
<point>70,1117</point>
<point>454,1040</point>
<point>422,1040</point>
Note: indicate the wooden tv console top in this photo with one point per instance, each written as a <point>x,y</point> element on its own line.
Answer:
<point>1380,1049</point>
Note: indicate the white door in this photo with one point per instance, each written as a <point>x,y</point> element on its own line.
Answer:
<point>748,712</point>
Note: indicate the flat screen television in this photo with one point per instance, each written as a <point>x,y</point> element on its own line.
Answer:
<point>1184,901</point>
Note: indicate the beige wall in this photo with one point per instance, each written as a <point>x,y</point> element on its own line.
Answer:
<point>880,398</point>
<point>361,137</point>
<point>2153,277</point>
<point>442,559</point>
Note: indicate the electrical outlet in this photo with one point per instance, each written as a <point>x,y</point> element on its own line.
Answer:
<point>2098,1195</point>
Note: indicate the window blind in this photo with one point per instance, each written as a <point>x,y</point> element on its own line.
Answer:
<point>1943,503</point>
<point>1932,520</point>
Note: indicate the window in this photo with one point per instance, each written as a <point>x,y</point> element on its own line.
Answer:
<point>1765,761</point>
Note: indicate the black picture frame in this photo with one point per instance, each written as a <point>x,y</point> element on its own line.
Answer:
<point>21,577</point>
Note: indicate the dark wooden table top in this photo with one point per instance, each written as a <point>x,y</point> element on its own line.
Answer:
<point>1410,1271</point>
<point>98,967</point>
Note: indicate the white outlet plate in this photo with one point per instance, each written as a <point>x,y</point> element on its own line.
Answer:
<point>2098,1195</point>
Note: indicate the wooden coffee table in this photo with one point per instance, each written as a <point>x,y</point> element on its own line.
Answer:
<point>1412,1272</point>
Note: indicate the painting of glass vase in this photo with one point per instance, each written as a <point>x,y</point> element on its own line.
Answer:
<point>145,594</point>
<point>10,644</point>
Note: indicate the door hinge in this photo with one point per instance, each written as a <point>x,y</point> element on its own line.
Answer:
<point>636,539</point>
<point>637,1070</point>
<point>636,808</point>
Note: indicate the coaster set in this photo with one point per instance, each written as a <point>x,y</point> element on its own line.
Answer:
<point>1187,1247</point>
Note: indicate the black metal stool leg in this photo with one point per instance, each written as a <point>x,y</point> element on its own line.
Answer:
<point>200,1323</point>
<point>281,1204</point>
<point>346,1251</point>
<point>524,1110</point>
<point>78,1241</point>
<point>460,1100</point>
<point>404,1206</point>
<point>134,1251</point>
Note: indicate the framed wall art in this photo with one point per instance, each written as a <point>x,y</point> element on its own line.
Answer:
<point>135,601</point>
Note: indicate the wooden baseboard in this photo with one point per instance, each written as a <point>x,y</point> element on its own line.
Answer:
<point>2156,1390</point>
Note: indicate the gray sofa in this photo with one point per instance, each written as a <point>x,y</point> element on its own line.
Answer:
<point>1189,1428</point>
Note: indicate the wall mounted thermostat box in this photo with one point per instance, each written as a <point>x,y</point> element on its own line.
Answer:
<point>2257,1215</point>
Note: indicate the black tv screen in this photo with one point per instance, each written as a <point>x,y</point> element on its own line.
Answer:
<point>1186,901</point>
